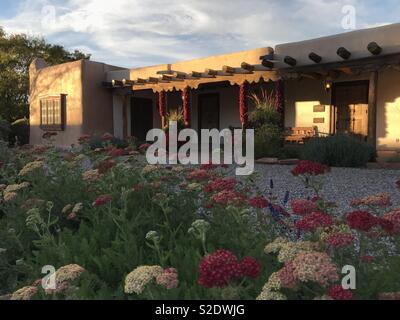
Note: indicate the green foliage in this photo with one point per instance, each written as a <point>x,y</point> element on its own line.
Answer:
<point>265,119</point>
<point>16,53</point>
<point>339,151</point>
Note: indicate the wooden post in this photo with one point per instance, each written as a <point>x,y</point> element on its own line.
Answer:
<point>125,116</point>
<point>161,107</point>
<point>372,108</point>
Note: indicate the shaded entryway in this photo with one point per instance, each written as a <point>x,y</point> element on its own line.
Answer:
<point>209,111</point>
<point>141,117</point>
<point>350,100</point>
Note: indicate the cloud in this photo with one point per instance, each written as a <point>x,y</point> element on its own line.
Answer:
<point>142,32</point>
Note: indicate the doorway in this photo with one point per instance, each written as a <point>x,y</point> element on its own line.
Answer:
<point>141,117</point>
<point>209,111</point>
<point>350,100</point>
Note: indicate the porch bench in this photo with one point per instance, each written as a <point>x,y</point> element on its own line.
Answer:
<point>298,135</point>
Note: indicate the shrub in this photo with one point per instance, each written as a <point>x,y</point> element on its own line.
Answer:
<point>20,130</point>
<point>339,151</point>
<point>4,129</point>
<point>265,111</point>
<point>267,141</point>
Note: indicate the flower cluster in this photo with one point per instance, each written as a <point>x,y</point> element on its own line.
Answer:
<point>139,278</point>
<point>337,292</point>
<point>168,279</point>
<point>340,240</point>
<point>394,218</point>
<point>91,175</point>
<point>361,221</point>
<point>398,184</point>
<point>104,166</point>
<point>102,200</point>
<point>258,202</point>
<point>226,197</point>
<point>68,273</point>
<point>115,153</point>
<point>302,207</point>
<point>311,168</point>
<point>25,293</point>
<point>314,221</point>
<point>199,175</point>
<point>30,167</point>
<point>379,200</point>
<point>220,184</point>
<point>221,267</point>
<point>72,210</point>
<point>288,250</point>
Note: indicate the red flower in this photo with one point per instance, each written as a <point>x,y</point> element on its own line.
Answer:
<point>84,138</point>
<point>338,293</point>
<point>398,184</point>
<point>198,175</point>
<point>312,168</point>
<point>303,207</point>
<point>340,240</point>
<point>115,153</point>
<point>314,221</point>
<point>218,269</point>
<point>250,268</point>
<point>102,200</point>
<point>220,184</point>
<point>105,166</point>
<point>228,197</point>
<point>361,221</point>
<point>221,267</point>
<point>259,203</point>
<point>107,137</point>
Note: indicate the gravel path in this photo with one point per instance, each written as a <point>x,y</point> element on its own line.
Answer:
<point>341,186</point>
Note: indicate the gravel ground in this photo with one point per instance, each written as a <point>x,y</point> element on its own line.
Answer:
<point>341,186</point>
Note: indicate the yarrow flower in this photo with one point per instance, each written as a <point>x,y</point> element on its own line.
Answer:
<point>338,293</point>
<point>102,200</point>
<point>389,296</point>
<point>139,278</point>
<point>115,153</point>
<point>361,221</point>
<point>394,218</point>
<point>314,221</point>
<point>258,202</point>
<point>69,273</point>
<point>16,187</point>
<point>168,279</point>
<point>379,200</point>
<point>10,196</point>
<point>340,240</point>
<point>398,184</point>
<point>221,267</point>
<point>228,197</point>
<point>311,168</point>
<point>105,166</point>
<point>288,250</point>
<point>91,175</point>
<point>220,184</point>
<point>25,293</point>
<point>199,175</point>
<point>302,207</point>
<point>30,167</point>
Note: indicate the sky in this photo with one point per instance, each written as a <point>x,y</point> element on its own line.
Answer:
<point>133,33</point>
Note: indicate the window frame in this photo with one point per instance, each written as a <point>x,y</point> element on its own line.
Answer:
<point>48,103</point>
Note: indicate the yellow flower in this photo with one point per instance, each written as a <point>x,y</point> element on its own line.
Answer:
<point>149,169</point>
<point>16,187</point>
<point>30,167</point>
<point>69,273</point>
<point>26,293</point>
<point>10,196</point>
<point>91,175</point>
<point>271,296</point>
<point>287,251</point>
<point>137,280</point>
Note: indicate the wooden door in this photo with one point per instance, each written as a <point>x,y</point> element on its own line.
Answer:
<point>351,103</point>
<point>141,117</point>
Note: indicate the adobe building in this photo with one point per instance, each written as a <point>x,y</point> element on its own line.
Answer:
<point>347,83</point>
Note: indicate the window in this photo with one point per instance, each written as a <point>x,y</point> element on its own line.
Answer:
<point>52,115</point>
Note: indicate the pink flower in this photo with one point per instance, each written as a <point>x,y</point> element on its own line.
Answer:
<point>311,168</point>
<point>361,221</point>
<point>228,197</point>
<point>314,221</point>
<point>367,259</point>
<point>340,240</point>
<point>303,207</point>
<point>102,200</point>
<point>115,153</point>
<point>168,279</point>
<point>84,139</point>
<point>338,293</point>
<point>258,203</point>
<point>398,184</point>
<point>199,175</point>
<point>394,218</point>
<point>107,137</point>
<point>220,184</point>
<point>286,276</point>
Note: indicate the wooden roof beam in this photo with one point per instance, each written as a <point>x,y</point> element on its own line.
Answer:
<point>215,73</point>
<point>228,69</point>
<point>315,57</point>
<point>344,53</point>
<point>290,61</point>
<point>170,78</point>
<point>199,75</point>
<point>374,48</point>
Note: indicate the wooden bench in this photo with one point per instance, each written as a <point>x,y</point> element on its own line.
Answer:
<point>297,135</point>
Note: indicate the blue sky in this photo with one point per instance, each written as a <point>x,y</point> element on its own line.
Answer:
<point>133,33</point>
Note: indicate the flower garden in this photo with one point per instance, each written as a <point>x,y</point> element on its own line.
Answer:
<point>116,228</point>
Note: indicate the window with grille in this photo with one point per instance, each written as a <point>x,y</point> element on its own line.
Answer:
<point>52,113</point>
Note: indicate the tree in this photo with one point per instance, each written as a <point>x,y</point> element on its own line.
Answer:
<point>16,54</point>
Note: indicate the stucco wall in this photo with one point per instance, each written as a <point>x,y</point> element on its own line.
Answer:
<point>388,115</point>
<point>61,79</point>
